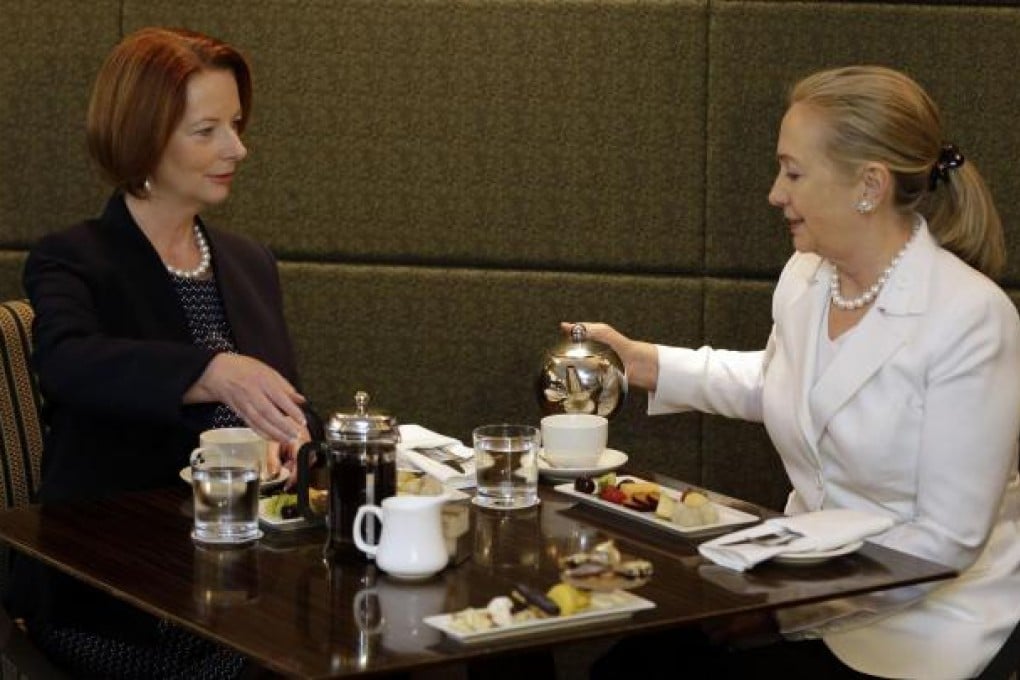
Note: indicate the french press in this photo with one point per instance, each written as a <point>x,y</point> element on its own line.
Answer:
<point>360,453</point>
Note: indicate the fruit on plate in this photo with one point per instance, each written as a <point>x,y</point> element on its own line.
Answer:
<point>570,599</point>
<point>640,496</point>
<point>280,506</point>
<point>665,507</point>
<point>585,485</point>
<point>608,479</point>
<point>613,494</point>
<point>694,509</point>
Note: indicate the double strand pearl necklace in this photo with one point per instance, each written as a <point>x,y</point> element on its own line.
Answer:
<point>868,296</point>
<point>203,264</point>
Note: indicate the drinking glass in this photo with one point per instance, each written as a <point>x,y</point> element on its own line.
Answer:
<point>506,466</point>
<point>226,489</point>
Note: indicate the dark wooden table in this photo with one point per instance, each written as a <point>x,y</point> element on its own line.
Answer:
<point>278,602</point>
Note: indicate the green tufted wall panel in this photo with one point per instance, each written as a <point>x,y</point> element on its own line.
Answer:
<point>11,263</point>
<point>535,134</point>
<point>49,53</point>
<point>959,54</point>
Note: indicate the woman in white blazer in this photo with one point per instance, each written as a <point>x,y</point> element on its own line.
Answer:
<point>891,380</point>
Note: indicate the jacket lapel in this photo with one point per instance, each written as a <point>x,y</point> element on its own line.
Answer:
<point>153,300</point>
<point>878,336</point>
<point>801,319</point>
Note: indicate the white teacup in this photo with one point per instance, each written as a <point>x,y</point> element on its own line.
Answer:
<point>574,440</point>
<point>240,441</point>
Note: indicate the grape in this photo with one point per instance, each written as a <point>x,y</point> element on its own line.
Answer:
<point>584,484</point>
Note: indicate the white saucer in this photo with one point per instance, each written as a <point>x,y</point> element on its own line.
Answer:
<point>610,460</point>
<point>276,481</point>
<point>817,557</point>
<point>226,541</point>
<point>474,500</point>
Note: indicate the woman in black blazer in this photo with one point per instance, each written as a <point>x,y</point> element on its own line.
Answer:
<point>151,327</point>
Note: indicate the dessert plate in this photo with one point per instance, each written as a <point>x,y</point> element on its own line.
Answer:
<point>610,460</point>
<point>729,518</point>
<point>604,607</point>
<point>266,485</point>
<point>808,558</point>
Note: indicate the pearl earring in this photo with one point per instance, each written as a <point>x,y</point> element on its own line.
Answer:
<point>147,185</point>
<point>865,205</point>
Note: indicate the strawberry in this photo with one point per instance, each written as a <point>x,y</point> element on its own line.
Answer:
<point>612,494</point>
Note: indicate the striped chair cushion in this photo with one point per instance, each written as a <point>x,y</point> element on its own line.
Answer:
<point>20,423</point>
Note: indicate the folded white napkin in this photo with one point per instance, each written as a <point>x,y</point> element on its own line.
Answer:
<point>412,436</point>
<point>819,531</point>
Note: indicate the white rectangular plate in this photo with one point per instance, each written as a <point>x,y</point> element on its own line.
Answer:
<point>604,607</point>
<point>729,518</point>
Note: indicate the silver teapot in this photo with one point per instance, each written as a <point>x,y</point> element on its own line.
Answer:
<point>581,376</point>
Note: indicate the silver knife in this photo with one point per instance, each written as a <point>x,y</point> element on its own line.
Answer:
<point>439,454</point>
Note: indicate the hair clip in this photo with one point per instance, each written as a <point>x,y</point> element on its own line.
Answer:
<point>950,158</point>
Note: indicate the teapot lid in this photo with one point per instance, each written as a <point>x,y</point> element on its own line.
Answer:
<point>362,424</point>
<point>580,347</point>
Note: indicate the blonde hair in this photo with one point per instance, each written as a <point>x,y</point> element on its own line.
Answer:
<point>880,115</point>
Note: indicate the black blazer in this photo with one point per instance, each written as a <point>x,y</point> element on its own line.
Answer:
<point>114,357</point>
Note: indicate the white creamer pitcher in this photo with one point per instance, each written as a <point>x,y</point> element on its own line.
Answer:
<point>412,544</point>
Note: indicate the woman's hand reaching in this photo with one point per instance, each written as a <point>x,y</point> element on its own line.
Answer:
<point>266,401</point>
<point>640,359</point>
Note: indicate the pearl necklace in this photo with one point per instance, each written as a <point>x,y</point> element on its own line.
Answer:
<point>868,296</point>
<point>203,264</point>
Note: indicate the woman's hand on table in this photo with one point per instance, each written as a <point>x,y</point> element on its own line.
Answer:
<point>256,392</point>
<point>640,359</point>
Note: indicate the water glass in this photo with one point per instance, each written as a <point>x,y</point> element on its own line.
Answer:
<point>226,490</point>
<point>243,441</point>
<point>506,466</point>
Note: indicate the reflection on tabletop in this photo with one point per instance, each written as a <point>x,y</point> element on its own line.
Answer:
<point>224,577</point>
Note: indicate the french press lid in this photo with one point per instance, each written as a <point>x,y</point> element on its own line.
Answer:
<point>361,424</point>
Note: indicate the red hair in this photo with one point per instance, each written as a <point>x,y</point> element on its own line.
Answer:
<point>140,95</point>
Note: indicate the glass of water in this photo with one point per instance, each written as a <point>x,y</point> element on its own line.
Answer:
<point>506,466</point>
<point>226,490</point>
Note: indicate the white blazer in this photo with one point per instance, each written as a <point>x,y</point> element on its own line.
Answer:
<point>917,417</point>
